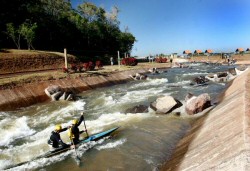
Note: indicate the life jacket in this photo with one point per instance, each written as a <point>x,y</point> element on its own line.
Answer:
<point>70,134</point>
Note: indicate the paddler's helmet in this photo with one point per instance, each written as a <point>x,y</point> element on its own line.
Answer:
<point>74,121</point>
<point>58,127</point>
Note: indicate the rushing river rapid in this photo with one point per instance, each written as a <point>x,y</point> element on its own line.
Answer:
<point>143,141</point>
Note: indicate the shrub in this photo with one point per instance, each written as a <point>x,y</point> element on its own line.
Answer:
<point>65,70</point>
<point>161,60</point>
<point>91,66</point>
<point>129,61</point>
<point>73,67</point>
<point>88,66</point>
<point>98,64</point>
<point>80,67</point>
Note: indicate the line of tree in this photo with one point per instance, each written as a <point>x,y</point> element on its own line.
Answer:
<point>53,25</point>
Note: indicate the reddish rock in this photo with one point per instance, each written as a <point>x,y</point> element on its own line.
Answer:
<point>197,104</point>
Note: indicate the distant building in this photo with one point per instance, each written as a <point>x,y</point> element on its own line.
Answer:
<point>187,52</point>
<point>239,50</point>
<point>197,51</point>
<point>209,51</point>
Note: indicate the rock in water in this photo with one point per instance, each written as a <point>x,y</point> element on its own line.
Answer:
<point>197,104</point>
<point>137,109</point>
<point>165,104</point>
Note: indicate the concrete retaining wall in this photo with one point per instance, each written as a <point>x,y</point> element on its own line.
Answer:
<point>34,93</point>
<point>221,139</point>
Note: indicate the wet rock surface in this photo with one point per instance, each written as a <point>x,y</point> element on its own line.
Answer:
<point>137,109</point>
<point>165,104</point>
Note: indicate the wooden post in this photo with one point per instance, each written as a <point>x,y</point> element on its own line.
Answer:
<point>65,56</point>
<point>118,58</point>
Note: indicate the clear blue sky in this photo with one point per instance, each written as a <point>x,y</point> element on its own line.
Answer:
<point>168,26</point>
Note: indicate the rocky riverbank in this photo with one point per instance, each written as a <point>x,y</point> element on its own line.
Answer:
<point>33,93</point>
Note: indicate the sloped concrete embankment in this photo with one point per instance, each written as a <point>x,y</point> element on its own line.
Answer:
<point>221,139</point>
<point>34,93</point>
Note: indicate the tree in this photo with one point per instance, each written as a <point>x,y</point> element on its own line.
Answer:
<point>27,30</point>
<point>126,41</point>
<point>88,30</point>
<point>14,34</point>
<point>88,11</point>
<point>56,8</point>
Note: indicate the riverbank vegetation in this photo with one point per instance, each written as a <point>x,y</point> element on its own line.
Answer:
<point>52,25</point>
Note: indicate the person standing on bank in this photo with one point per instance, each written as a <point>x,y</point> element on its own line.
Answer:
<point>74,132</point>
<point>55,139</point>
<point>112,61</point>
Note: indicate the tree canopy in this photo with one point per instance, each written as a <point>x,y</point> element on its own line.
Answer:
<point>53,25</point>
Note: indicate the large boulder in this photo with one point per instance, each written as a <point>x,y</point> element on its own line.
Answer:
<point>220,77</point>
<point>56,96</point>
<point>52,89</point>
<point>240,70</point>
<point>221,74</point>
<point>165,104</point>
<point>232,71</point>
<point>138,76</point>
<point>137,109</point>
<point>71,97</point>
<point>189,96</point>
<point>56,93</point>
<point>153,70</point>
<point>64,96</point>
<point>196,104</point>
<point>199,80</point>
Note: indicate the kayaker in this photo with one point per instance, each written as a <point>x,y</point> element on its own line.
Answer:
<point>74,132</point>
<point>55,139</point>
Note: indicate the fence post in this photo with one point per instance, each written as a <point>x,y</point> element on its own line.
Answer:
<point>118,59</point>
<point>65,56</point>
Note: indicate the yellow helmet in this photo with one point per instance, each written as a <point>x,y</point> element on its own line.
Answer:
<point>58,127</point>
<point>74,121</point>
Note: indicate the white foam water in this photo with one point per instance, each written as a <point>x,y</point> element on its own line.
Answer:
<point>196,73</point>
<point>105,120</point>
<point>111,144</point>
<point>12,128</point>
<point>180,83</point>
<point>58,116</point>
<point>151,82</point>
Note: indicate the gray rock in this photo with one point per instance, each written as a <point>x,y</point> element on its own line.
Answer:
<point>71,97</point>
<point>52,89</point>
<point>188,96</point>
<point>137,109</point>
<point>56,95</point>
<point>232,71</point>
<point>64,96</point>
<point>165,104</point>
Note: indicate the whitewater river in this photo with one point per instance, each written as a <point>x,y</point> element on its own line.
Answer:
<point>143,141</point>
